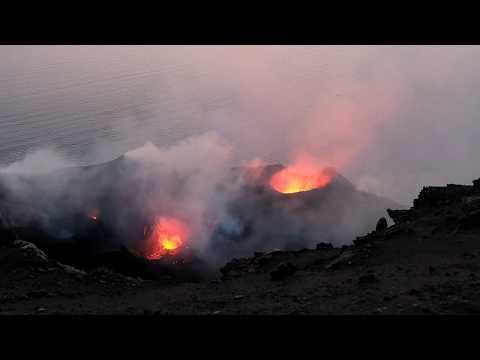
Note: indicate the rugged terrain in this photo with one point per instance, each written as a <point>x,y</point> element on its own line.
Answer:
<point>428,262</point>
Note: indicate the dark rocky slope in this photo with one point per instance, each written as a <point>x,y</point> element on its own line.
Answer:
<point>428,262</point>
<point>53,211</point>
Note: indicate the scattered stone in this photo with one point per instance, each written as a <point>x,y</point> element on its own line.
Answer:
<point>413,292</point>
<point>361,240</point>
<point>380,310</point>
<point>433,196</point>
<point>283,271</point>
<point>425,310</point>
<point>464,307</point>
<point>343,259</point>
<point>399,216</point>
<point>393,231</point>
<point>470,221</point>
<point>324,246</point>
<point>471,203</point>
<point>367,279</point>
<point>72,271</point>
<point>261,261</point>
<point>106,276</point>
<point>30,252</point>
<point>275,252</point>
<point>38,293</point>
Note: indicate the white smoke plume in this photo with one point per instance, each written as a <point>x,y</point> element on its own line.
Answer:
<point>390,118</point>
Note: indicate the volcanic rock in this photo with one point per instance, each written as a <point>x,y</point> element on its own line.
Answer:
<point>343,259</point>
<point>38,294</point>
<point>394,231</point>
<point>399,216</point>
<point>27,252</point>
<point>72,271</point>
<point>283,271</point>
<point>470,221</point>
<point>121,261</point>
<point>439,264</point>
<point>324,246</point>
<point>367,279</point>
<point>476,183</point>
<point>433,196</point>
<point>107,276</point>
<point>363,240</point>
<point>413,292</point>
<point>236,267</point>
<point>297,220</point>
<point>381,224</point>
<point>471,203</point>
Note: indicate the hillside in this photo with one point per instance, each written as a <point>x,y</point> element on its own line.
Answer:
<point>426,263</point>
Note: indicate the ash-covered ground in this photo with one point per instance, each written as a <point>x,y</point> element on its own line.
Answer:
<point>426,263</point>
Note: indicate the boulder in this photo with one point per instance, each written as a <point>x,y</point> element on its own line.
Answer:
<point>476,183</point>
<point>381,224</point>
<point>283,271</point>
<point>72,271</point>
<point>324,246</point>
<point>399,216</point>
<point>29,252</point>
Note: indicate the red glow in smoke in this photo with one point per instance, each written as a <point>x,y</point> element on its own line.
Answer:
<point>304,175</point>
<point>168,236</point>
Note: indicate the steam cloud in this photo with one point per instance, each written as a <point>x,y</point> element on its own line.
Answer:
<point>390,118</point>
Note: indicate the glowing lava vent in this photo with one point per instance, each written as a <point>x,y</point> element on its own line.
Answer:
<point>94,214</point>
<point>167,236</point>
<point>304,175</point>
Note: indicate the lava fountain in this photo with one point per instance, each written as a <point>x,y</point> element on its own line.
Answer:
<point>303,175</point>
<point>167,236</point>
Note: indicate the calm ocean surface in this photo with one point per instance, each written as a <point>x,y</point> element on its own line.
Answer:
<point>91,101</point>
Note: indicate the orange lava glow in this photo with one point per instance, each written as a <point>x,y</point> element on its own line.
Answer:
<point>167,236</point>
<point>304,175</point>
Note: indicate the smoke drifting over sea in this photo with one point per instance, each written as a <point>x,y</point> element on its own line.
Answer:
<point>390,118</point>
